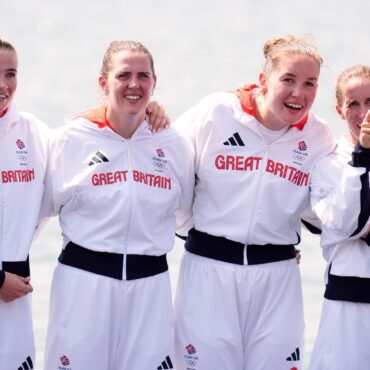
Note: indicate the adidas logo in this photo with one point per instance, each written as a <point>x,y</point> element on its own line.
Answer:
<point>26,365</point>
<point>294,356</point>
<point>98,157</point>
<point>234,140</point>
<point>166,364</point>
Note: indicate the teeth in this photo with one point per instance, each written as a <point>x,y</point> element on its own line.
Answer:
<point>132,97</point>
<point>2,96</point>
<point>294,106</point>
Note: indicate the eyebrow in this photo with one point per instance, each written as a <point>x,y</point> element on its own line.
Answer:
<point>293,75</point>
<point>11,70</point>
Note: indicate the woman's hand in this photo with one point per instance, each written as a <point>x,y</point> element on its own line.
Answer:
<point>14,287</point>
<point>364,137</point>
<point>157,116</point>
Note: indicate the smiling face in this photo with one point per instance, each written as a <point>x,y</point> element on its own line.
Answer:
<point>128,84</point>
<point>289,90</point>
<point>354,103</point>
<point>8,78</point>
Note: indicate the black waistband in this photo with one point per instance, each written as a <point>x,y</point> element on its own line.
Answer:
<point>348,288</point>
<point>226,250</point>
<point>111,264</point>
<point>21,268</point>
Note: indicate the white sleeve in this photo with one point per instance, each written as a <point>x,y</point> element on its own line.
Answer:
<point>336,191</point>
<point>188,125</point>
<point>49,207</point>
<point>184,219</point>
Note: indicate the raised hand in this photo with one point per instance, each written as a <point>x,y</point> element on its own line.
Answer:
<point>364,137</point>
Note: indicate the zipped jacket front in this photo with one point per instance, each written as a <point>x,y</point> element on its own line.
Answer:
<point>114,194</point>
<point>247,190</point>
<point>23,156</point>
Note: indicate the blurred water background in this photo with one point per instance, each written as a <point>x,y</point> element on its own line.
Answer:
<point>199,46</point>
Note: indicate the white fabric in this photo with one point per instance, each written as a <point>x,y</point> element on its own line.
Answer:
<point>238,317</point>
<point>126,204</point>
<point>343,339</point>
<point>23,156</point>
<point>347,256</point>
<point>114,195</point>
<point>265,186</point>
<point>17,341</point>
<point>253,193</point>
<point>102,323</point>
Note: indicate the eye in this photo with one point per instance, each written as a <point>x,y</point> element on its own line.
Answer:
<point>288,80</point>
<point>367,102</point>
<point>310,84</point>
<point>123,76</point>
<point>352,104</point>
<point>11,74</point>
<point>143,76</point>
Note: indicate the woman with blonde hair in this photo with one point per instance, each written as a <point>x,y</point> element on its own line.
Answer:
<point>23,152</point>
<point>239,301</point>
<point>115,186</point>
<point>343,338</point>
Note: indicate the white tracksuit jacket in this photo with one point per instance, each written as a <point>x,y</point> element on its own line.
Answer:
<point>114,194</point>
<point>246,190</point>
<point>23,156</point>
<point>348,273</point>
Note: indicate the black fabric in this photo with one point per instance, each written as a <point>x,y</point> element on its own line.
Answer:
<point>20,268</point>
<point>348,288</point>
<point>2,277</point>
<point>181,236</point>
<point>311,228</point>
<point>360,157</point>
<point>367,239</point>
<point>111,264</point>
<point>226,250</point>
<point>365,203</point>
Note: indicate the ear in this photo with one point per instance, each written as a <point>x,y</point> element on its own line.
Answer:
<point>103,84</point>
<point>263,84</point>
<point>340,112</point>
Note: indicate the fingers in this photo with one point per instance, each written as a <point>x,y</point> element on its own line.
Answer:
<point>364,137</point>
<point>298,256</point>
<point>367,117</point>
<point>157,116</point>
<point>14,287</point>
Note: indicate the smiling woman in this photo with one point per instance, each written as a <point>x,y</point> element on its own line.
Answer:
<point>115,186</point>
<point>128,80</point>
<point>8,75</point>
<point>255,150</point>
<point>23,159</point>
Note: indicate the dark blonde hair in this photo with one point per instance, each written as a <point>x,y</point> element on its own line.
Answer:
<point>6,45</point>
<point>117,46</point>
<point>358,70</point>
<point>288,45</point>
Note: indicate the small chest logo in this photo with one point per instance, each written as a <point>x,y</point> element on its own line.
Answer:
<point>22,154</point>
<point>300,154</point>
<point>159,160</point>
<point>190,358</point>
<point>20,144</point>
<point>302,146</point>
<point>64,360</point>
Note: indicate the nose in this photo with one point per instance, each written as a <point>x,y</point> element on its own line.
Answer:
<point>296,90</point>
<point>2,82</point>
<point>133,82</point>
